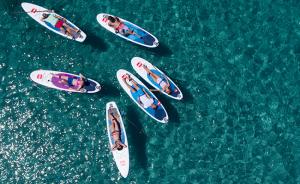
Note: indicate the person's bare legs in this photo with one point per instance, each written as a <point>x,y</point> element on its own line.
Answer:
<point>131,88</point>
<point>135,84</point>
<point>114,125</point>
<point>136,87</point>
<point>63,79</point>
<point>67,26</point>
<point>153,75</point>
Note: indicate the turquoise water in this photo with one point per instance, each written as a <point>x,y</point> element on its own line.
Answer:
<point>236,62</point>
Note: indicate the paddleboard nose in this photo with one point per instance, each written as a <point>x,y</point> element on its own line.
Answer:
<point>98,87</point>
<point>165,120</point>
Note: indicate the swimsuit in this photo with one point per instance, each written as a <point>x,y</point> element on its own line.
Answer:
<point>144,99</point>
<point>161,83</point>
<point>123,29</point>
<point>54,21</point>
<point>70,82</point>
<point>115,132</point>
<point>59,24</point>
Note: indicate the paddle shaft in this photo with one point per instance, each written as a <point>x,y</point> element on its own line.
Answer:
<point>153,90</point>
<point>35,11</point>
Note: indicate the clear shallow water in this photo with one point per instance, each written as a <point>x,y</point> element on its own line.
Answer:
<point>237,64</point>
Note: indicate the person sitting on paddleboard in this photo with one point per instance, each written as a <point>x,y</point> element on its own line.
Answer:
<point>60,23</point>
<point>144,99</point>
<point>116,132</point>
<point>120,27</point>
<point>163,83</point>
<point>73,82</point>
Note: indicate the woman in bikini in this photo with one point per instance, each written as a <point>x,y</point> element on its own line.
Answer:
<point>120,27</point>
<point>60,23</point>
<point>115,132</point>
<point>144,99</point>
<point>163,83</point>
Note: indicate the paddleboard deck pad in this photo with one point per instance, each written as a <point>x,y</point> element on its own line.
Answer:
<point>141,37</point>
<point>121,157</point>
<point>36,12</point>
<point>158,112</point>
<point>138,65</point>
<point>54,79</point>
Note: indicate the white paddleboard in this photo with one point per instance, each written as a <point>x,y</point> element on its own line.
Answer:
<point>147,40</point>
<point>50,79</point>
<point>159,114</point>
<point>36,12</point>
<point>137,64</point>
<point>121,157</point>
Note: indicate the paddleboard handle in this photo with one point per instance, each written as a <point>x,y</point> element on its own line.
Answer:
<point>166,119</point>
<point>98,87</point>
<point>39,76</point>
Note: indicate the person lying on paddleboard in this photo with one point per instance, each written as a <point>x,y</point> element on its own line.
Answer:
<point>115,131</point>
<point>163,83</point>
<point>60,23</point>
<point>120,27</point>
<point>73,83</point>
<point>144,99</point>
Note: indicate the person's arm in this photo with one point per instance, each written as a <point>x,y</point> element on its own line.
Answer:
<point>114,148</point>
<point>57,16</point>
<point>146,93</point>
<point>140,102</point>
<point>81,78</point>
<point>78,88</point>
<point>166,79</point>
<point>117,18</point>
<point>123,145</point>
<point>110,115</point>
<point>134,33</point>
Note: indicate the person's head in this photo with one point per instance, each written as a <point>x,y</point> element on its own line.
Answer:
<point>45,15</point>
<point>153,106</point>
<point>81,81</point>
<point>118,145</point>
<point>168,90</point>
<point>111,19</point>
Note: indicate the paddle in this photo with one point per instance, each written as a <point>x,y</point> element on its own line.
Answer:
<point>154,90</point>
<point>35,11</point>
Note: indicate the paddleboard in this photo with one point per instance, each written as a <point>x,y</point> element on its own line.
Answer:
<point>52,79</point>
<point>138,63</point>
<point>159,113</point>
<point>146,39</point>
<point>36,12</point>
<point>121,157</point>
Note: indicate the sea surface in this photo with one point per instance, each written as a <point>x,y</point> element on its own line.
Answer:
<point>237,63</point>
